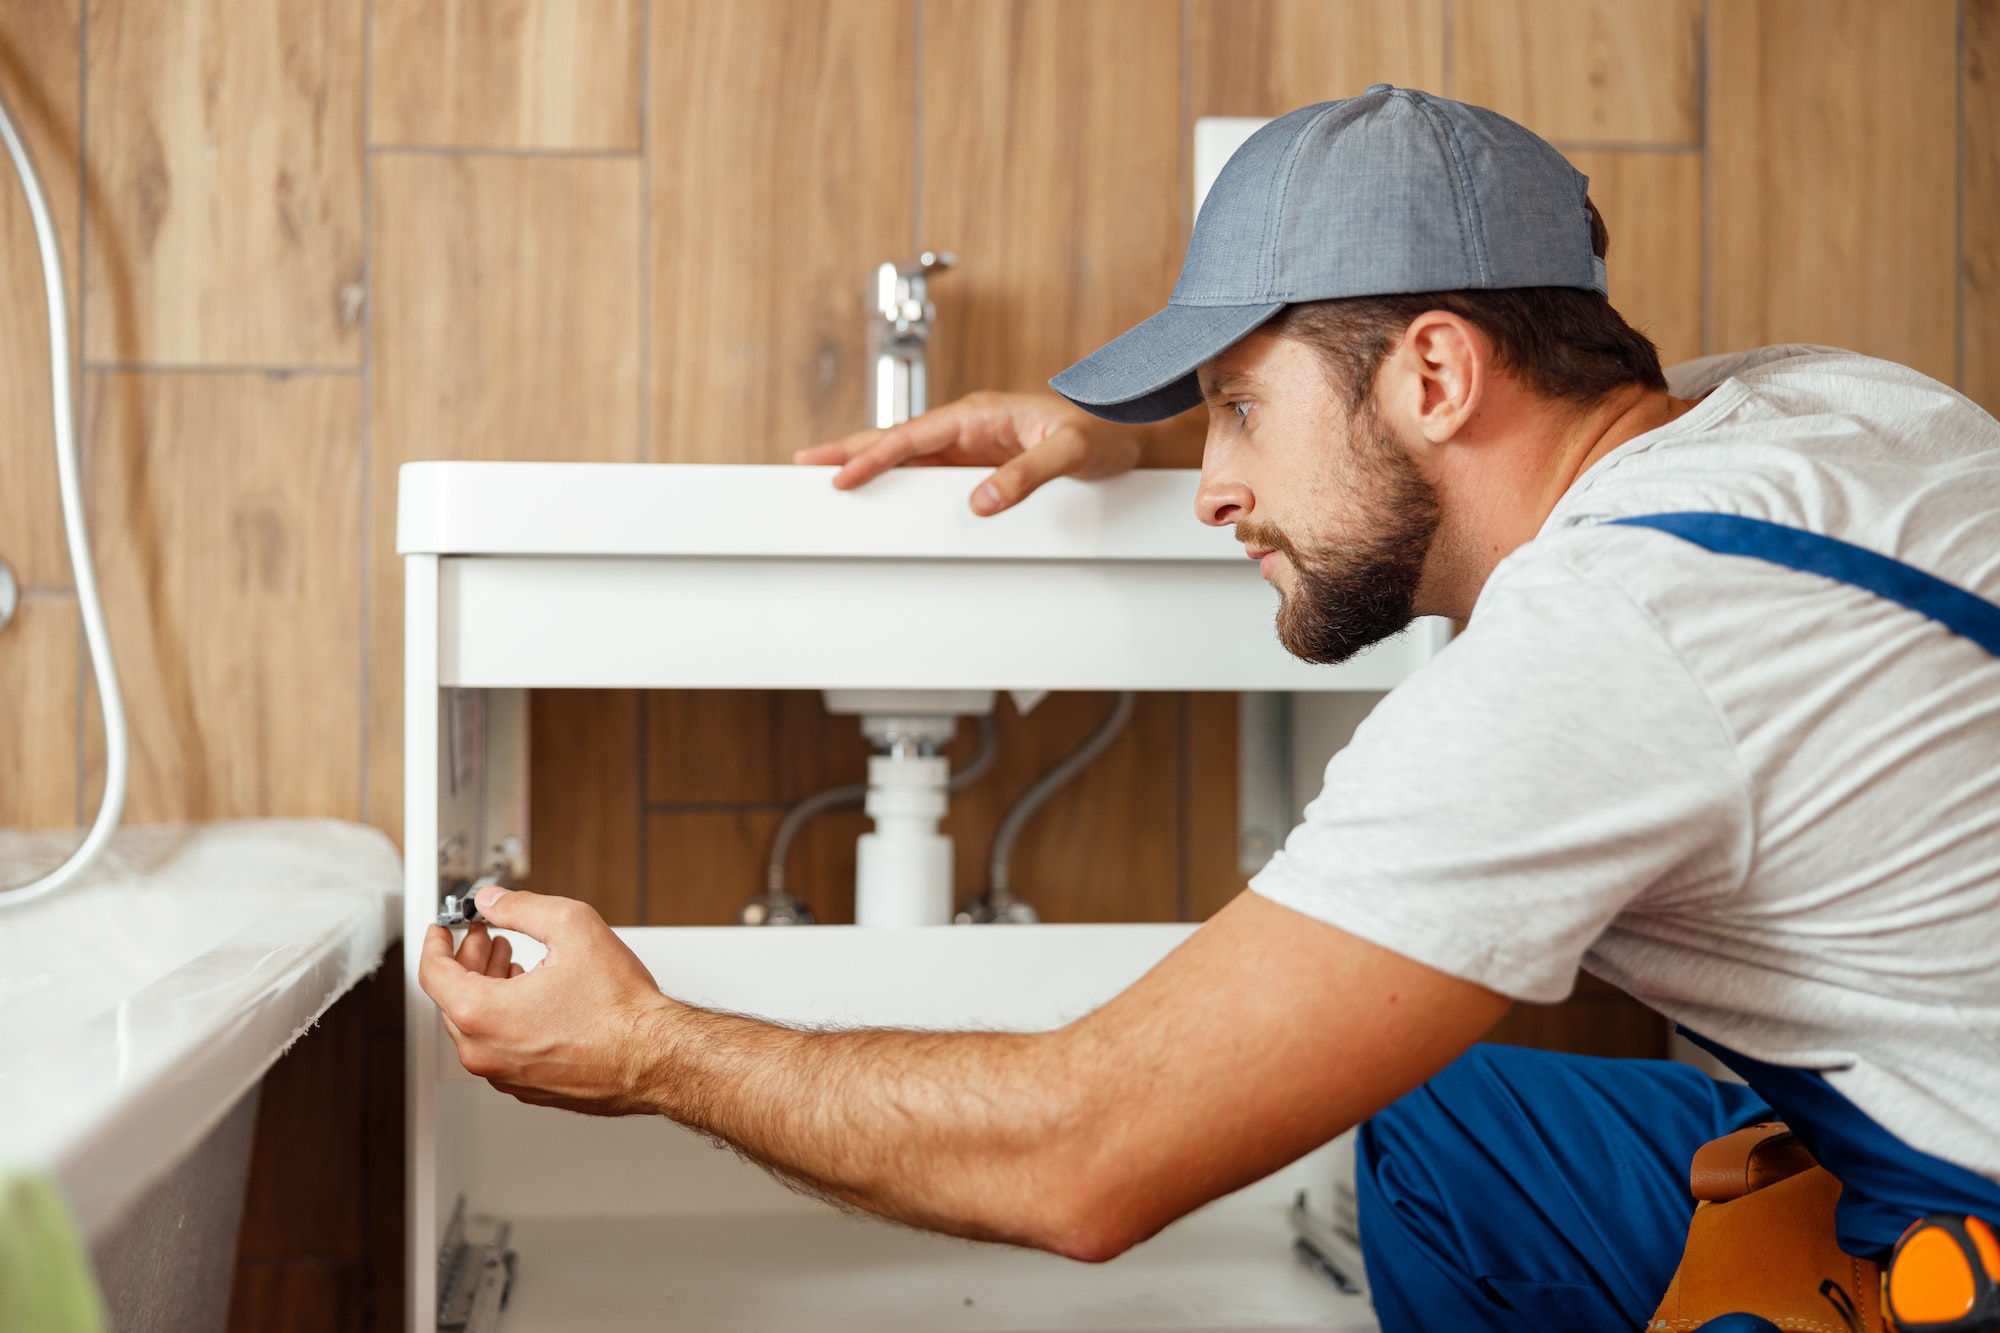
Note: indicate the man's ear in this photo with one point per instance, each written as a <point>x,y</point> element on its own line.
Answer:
<point>1437,375</point>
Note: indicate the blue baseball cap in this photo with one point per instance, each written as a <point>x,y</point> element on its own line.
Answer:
<point>1392,191</point>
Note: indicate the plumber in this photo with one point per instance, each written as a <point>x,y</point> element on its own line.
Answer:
<point>1721,729</point>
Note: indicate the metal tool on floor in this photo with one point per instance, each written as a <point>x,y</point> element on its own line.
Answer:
<point>1324,1245</point>
<point>475,1272</point>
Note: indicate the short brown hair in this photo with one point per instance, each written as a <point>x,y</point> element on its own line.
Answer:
<point>1566,343</point>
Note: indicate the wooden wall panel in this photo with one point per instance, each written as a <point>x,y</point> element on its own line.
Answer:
<point>1651,203</point>
<point>781,176</point>
<point>383,1241</point>
<point>757,746</point>
<point>584,790</point>
<point>709,746</point>
<point>310,1297</point>
<point>1833,127</point>
<point>506,326</point>
<point>1597,1019</point>
<point>1209,774</point>
<point>226,513</point>
<point>823,865</point>
<point>1267,57</point>
<point>508,321</point>
<point>1979,206</point>
<point>724,766</point>
<point>1623,71</point>
<point>40,75</point>
<point>815,750</point>
<point>701,865</point>
<point>225,163</point>
<point>1107,847</point>
<point>310,1089</point>
<point>39,655</point>
<point>1052,166</point>
<point>321,1245</point>
<point>560,74</point>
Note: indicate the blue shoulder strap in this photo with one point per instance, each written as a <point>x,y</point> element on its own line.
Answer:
<point>1885,1182</point>
<point>1730,534</point>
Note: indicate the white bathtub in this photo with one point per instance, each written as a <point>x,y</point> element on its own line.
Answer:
<point>139,1009</point>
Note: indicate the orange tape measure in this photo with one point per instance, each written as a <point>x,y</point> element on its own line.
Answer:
<point>1945,1277</point>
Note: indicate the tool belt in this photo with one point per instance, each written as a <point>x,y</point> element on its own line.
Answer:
<point>1762,1242</point>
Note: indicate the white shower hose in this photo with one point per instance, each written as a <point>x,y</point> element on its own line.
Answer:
<point>116,745</point>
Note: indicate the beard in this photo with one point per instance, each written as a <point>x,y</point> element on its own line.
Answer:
<point>1350,595</point>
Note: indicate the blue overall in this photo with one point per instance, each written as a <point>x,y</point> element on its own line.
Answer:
<point>1530,1190</point>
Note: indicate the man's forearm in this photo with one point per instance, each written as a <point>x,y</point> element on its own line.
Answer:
<point>987,1135</point>
<point>1260,1037</point>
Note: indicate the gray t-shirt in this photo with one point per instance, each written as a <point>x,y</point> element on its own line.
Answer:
<point>1765,803</point>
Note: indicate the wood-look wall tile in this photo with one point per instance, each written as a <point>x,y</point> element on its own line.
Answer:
<point>821,868</point>
<point>701,866</point>
<point>1832,154</point>
<point>1053,167</point>
<point>814,749</point>
<point>583,798</point>
<point>225,164</point>
<point>1584,71</point>
<point>1980,205</point>
<point>1209,786</point>
<point>226,513</point>
<point>506,73</point>
<point>747,746</point>
<point>781,176</point>
<point>1597,1020</point>
<point>1651,203</point>
<point>507,310</point>
<point>39,655</point>
<point>40,75</point>
<point>506,326</point>
<point>1106,847</point>
<point>709,746</point>
<point>1267,57</point>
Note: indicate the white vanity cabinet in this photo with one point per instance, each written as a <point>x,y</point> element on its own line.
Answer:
<point>654,576</point>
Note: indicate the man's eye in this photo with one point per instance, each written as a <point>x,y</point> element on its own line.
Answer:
<point>1242,411</point>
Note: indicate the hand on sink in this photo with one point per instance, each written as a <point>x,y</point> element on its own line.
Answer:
<point>1028,438</point>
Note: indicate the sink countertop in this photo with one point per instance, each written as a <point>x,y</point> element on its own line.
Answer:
<point>741,510</point>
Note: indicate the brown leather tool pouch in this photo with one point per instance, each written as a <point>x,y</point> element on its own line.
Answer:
<point>1762,1242</point>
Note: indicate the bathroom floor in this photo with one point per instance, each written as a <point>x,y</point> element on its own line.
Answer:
<point>1227,1269</point>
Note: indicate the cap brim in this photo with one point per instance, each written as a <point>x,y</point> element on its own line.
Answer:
<point>1147,372</point>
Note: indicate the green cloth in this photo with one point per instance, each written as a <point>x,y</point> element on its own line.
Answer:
<point>45,1279</point>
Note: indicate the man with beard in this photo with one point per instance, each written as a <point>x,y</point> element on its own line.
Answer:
<point>1720,729</point>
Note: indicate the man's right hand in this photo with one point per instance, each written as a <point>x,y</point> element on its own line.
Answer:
<point>1027,438</point>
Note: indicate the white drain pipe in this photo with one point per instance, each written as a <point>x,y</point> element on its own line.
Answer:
<point>902,870</point>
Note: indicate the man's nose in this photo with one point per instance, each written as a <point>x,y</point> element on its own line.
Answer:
<point>1222,499</point>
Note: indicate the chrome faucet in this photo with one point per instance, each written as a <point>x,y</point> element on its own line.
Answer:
<point>899,333</point>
